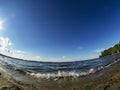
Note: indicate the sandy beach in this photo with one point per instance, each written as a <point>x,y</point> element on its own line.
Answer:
<point>106,79</point>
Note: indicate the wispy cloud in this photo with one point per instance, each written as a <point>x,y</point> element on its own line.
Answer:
<point>92,57</point>
<point>5,43</point>
<point>79,48</point>
<point>5,46</point>
<point>20,51</point>
<point>99,50</point>
<point>2,21</point>
<point>88,57</point>
<point>63,57</point>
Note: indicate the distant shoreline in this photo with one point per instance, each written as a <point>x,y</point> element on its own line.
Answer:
<point>106,78</point>
<point>43,61</point>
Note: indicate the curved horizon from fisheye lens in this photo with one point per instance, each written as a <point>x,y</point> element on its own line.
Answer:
<point>58,30</point>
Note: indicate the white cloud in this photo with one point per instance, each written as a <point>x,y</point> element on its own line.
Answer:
<point>93,57</point>
<point>99,50</point>
<point>5,46</point>
<point>89,57</point>
<point>5,43</point>
<point>20,51</point>
<point>2,24</point>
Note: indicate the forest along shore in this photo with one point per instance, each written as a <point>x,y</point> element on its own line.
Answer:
<point>107,79</point>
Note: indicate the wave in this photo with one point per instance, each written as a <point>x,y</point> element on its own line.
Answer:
<point>61,74</point>
<point>73,74</point>
<point>55,71</point>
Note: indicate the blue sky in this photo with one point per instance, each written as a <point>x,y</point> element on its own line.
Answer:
<point>58,30</point>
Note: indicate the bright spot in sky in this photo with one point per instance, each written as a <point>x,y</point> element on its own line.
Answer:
<point>1,24</point>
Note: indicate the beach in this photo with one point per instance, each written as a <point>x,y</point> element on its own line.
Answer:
<point>106,79</point>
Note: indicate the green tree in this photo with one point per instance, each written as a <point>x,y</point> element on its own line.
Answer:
<point>110,51</point>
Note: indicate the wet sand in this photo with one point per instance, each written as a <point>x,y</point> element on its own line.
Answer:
<point>106,79</point>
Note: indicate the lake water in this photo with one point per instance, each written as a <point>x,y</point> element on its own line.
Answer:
<point>56,69</point>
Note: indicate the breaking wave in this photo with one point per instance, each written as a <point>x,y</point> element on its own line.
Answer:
<point>56,70</point>
<point>61,74</point>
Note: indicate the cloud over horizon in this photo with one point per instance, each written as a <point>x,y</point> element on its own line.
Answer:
<point>20,51</point>
<point>99,50</point>
<point>5,45</point>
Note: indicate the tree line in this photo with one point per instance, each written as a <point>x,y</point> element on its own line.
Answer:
<point>110,51</point>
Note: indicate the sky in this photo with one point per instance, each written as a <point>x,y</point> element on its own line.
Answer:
<point>58,30</point>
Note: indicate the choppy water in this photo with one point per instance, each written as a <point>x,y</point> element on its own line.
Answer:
<point>57,69</point>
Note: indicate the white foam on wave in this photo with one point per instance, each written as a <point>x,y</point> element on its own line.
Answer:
<point>61,74</point>
<point>103,67</point>
<point>69,74</point>
<point>112,63</point>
